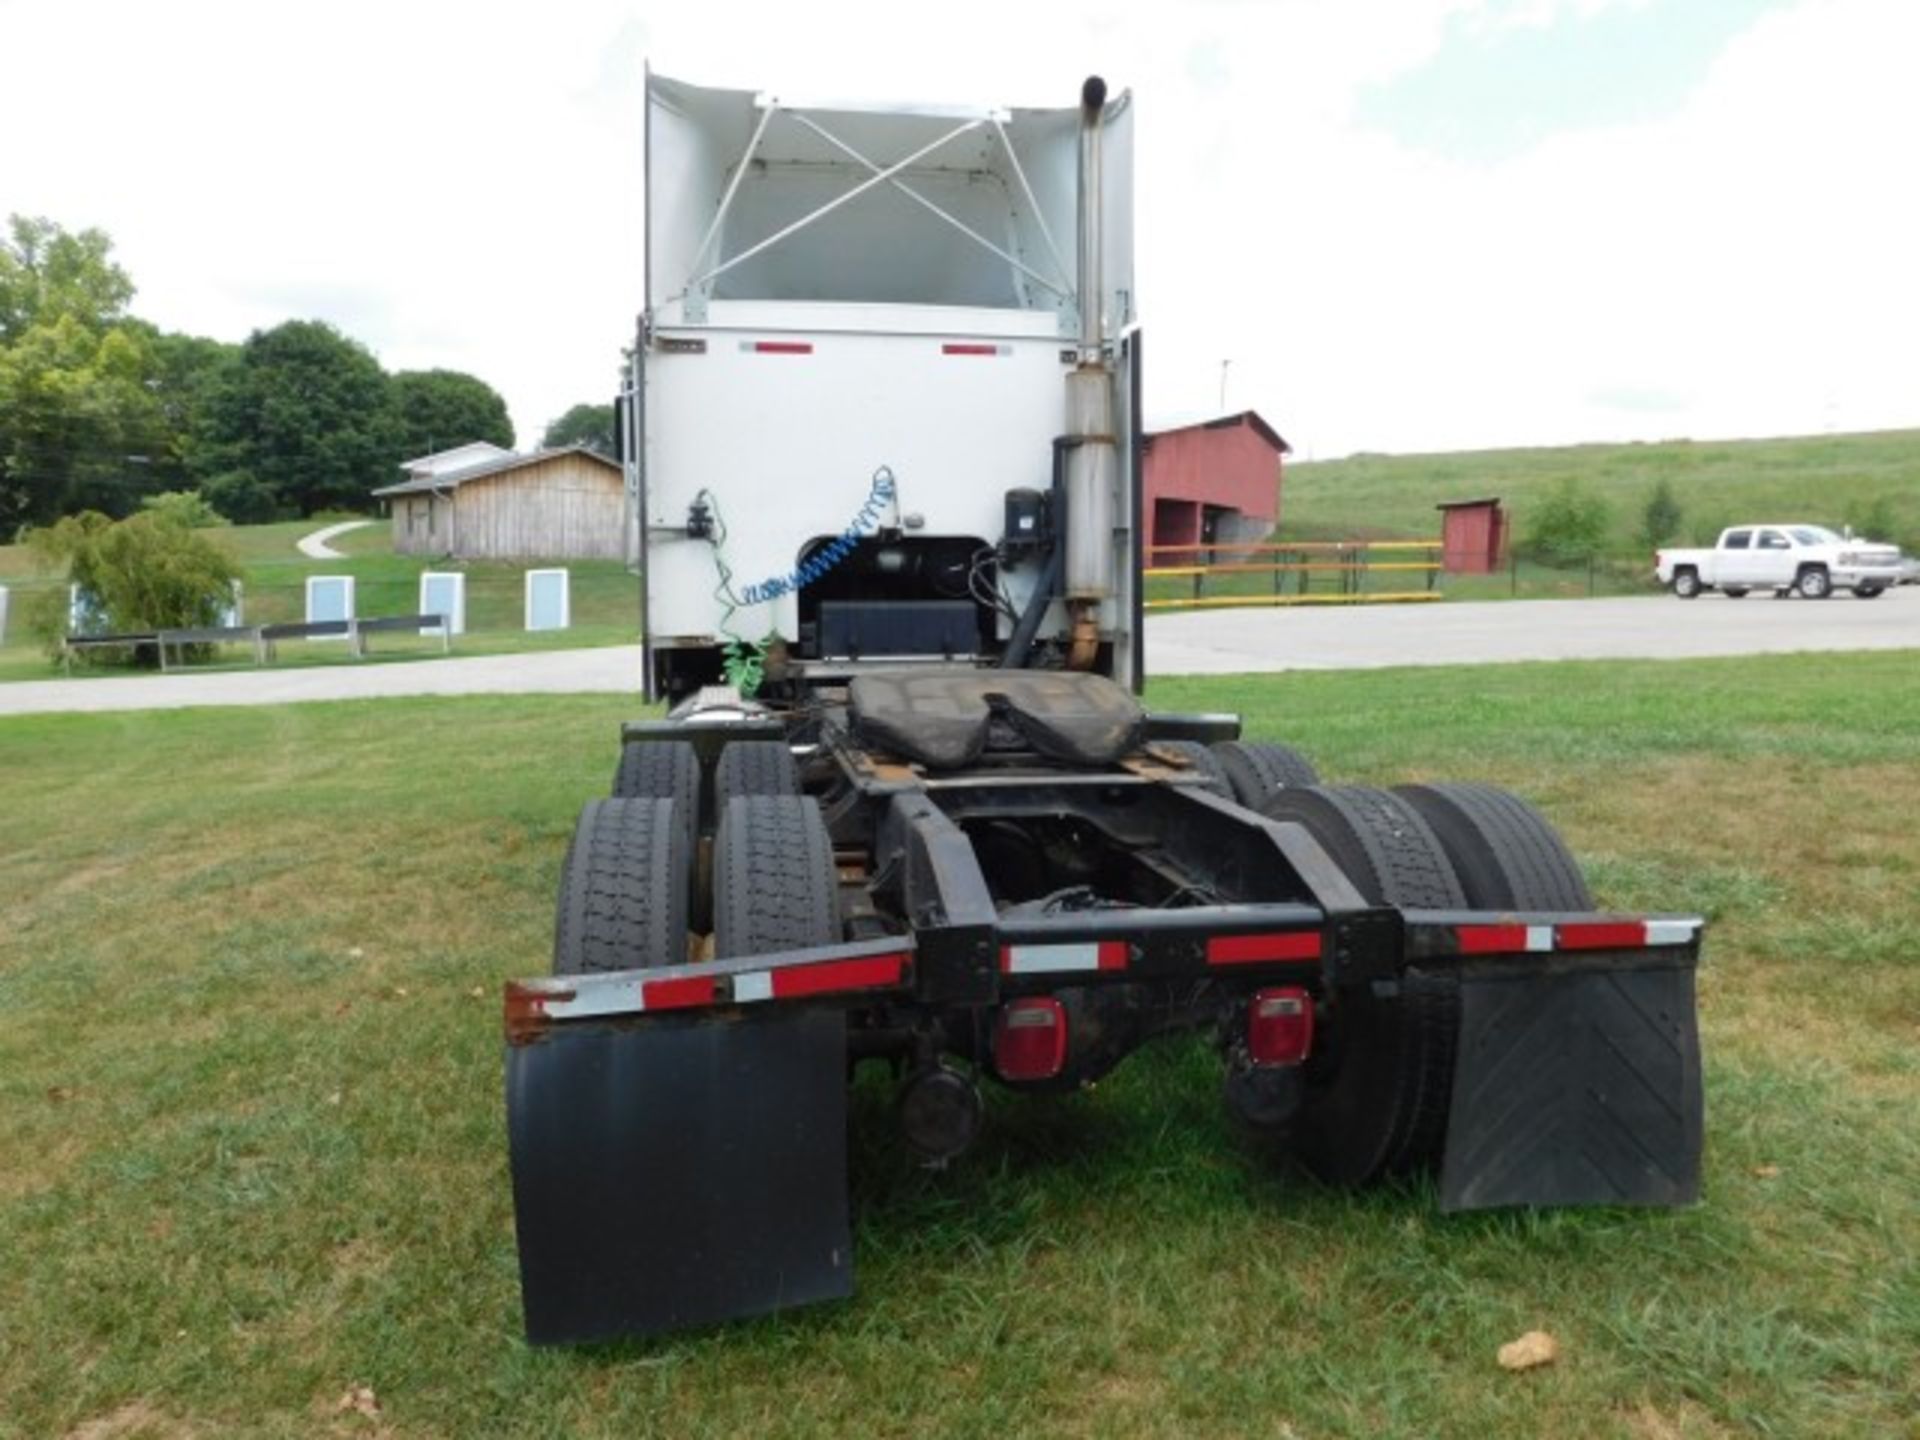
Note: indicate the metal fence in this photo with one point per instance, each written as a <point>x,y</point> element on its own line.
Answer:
<point>1319,572</point>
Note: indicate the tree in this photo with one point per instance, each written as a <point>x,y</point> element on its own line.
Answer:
<point>76,416</point>
<point>76,421</point>
<point>185,375</point>
<point>439,409</point>
<point>47,273</point>
<point>589,425</point>
<point>148,572</point>
<point>1569,527</point>
<point>303,422</point>
<point>1660,520</point>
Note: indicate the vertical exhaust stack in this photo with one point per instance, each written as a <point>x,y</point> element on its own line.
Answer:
<point>1092,459</point>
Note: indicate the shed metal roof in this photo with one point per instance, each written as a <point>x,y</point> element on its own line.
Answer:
<point>487,469</point>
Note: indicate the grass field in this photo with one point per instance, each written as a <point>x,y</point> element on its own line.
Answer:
<point>1825,479</point>
<point>606,598</point>
<point>251,1146</point>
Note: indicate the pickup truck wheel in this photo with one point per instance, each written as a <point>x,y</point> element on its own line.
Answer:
<point>1258,771</point>
<point>1506,854</point>
<point>774,883</point>
<point>1867,592</point>
<point>1735,592</point>
<point>1202,762</point>
<point>754,767</point>
<point>1686,582</point>
<point>623,889</point>
<point>1814,583</point>
<point>1377,1092</point>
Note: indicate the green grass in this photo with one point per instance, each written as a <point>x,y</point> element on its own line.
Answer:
<point>606,598</point>
<point>251,1128</point>
<point>1822,478</point>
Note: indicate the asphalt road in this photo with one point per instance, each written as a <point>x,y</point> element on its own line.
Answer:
<point>1215,642</point>
<point>1225,642</point>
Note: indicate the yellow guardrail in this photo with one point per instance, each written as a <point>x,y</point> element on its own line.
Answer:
<point>1344,565</point>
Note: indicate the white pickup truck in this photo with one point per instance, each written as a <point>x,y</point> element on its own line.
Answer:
<point>1807,560</point>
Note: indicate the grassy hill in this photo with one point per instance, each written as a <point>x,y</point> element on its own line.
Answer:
<point>1827,479</point>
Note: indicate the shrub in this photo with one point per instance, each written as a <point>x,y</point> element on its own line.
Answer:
<point>1873,520</point>
<point>1660,520</point>
<point>189,507</point>
<point>1569,527</point>
<point>147,572</point>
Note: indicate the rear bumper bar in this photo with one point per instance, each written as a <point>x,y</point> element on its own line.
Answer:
<point>1033,955</point>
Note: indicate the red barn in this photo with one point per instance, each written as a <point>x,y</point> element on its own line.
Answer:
<point>1213,480</point>
<point>1473,536</point>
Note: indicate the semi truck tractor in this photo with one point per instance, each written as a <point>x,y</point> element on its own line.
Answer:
<point>902,805</point>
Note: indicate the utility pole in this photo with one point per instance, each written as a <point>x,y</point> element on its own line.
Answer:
<point>1223,385</point>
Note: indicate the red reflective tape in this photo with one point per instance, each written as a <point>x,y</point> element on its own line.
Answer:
<point>1250,949</point>
<point>783,347</point>
<point>1114,954</point>
<point>1629,936</point>
<point>1491,939</point>
<point>676,994</point>
<point>831,975</point>
<point>959,349</point>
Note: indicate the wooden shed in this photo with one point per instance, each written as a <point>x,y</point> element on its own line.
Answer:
<point>1473,536</point>
<point>1212,482</point>
<point>551,505</point>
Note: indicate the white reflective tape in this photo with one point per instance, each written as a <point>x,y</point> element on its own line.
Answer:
<point>1539,938</point>
<point>753,985</point>
<point>1052,959</point>
<point>1672,932</point>
<point>598,997</point>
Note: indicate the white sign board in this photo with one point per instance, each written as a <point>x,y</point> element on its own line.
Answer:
<point>329,597</point>
<point>3,614</point>
<point>444,592</point>
<point>85,614</point>
<point>549,600</point>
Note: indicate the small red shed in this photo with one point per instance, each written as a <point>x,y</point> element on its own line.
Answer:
<point>1473,536</point>
<point>1211,481</point>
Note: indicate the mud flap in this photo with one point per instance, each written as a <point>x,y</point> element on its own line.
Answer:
<point>678,1173</point>
<point>1577,1083</point>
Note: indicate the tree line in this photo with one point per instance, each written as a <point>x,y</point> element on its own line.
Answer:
<point>100,409</point>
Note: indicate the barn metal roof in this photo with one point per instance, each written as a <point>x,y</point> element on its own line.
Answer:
<point>1227,422</point>
<point>453,479</point>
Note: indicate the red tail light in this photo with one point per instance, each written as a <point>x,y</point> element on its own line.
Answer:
<point>1031,1041</point>
<point>1280,1026</point>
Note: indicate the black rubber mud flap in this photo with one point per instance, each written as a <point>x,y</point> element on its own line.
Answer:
<point>679,1173</point>
<point>1576,1085</point>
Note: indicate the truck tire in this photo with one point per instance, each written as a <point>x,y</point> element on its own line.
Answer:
<point>1204,763</point>
<point>1686,583</point>
<point>774,882</point>
<point>1813,583</point>
<point>1257,771</point>
<point>1377,1094</point>
<point>754,767</point>
<point>623,889</point>
<point>1506,854</point>
<point>662,770</point>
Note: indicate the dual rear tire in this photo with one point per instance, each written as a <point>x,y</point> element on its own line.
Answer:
<point>629,893</point>
<point>1379,1094</point>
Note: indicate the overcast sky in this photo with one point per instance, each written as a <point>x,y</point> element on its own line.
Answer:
<point>1409,224</point>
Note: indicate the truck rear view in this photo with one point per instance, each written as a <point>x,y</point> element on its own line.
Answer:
<point>906,810</point>
<point>863,340</point>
